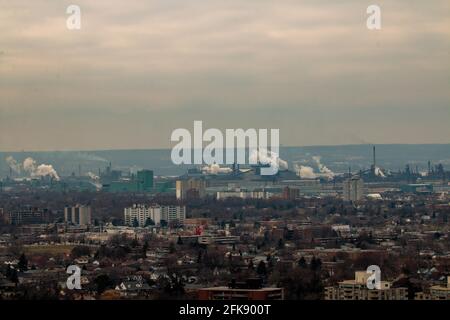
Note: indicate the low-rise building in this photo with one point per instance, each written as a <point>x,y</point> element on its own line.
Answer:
<point>250,290</point>
<point>357,290</point>
<point>438,292</point>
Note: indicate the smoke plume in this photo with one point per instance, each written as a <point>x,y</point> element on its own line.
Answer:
<point>93,176</point>
<point>264,156</point>
<point>216,169</point>
<point>42,170</point>
<point>305,172</point>
<point>379,173</point>
<point>13,164</point>
<point>29,165</point>
<point>323,169</point>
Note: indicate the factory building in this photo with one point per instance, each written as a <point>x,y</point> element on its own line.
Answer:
<point>141,182</point>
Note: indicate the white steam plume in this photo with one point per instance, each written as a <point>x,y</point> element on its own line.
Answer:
<point>29,165</point>
<point>379,173</point>
<point>42,170</point>
<point>323,169</point>
<point>13,164</point>
<point>264,156</point>
<point>93,176</point>
<point>46,170</point>
<point>305,172</point>
<point>216,169</point>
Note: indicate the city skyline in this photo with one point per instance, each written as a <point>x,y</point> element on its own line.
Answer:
<point>216,159</point>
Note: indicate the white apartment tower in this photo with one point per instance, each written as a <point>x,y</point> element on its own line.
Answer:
<point>174,213</point>
<point>141,213</point>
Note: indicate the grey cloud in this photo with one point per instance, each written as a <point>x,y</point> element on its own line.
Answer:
<point>145,67</point>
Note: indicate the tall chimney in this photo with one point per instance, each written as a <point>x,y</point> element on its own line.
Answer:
<point>374,158</point>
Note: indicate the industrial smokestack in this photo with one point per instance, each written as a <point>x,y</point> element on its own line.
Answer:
<point>374,158</point>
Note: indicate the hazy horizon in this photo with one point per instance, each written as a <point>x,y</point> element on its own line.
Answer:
<point>281,146</point>
<point>336,158</point>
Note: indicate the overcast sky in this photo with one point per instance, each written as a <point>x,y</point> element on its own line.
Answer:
<point>139,69</point>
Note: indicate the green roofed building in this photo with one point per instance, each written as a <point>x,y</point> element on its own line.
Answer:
<point>142,182</point>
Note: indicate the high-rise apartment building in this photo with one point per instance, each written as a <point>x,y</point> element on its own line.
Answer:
<point>175,214</point>
<point>190,188</point>
<point>78,215</point>
<point>27,215</point>
<point>353,189</point>
<point>290,193</point>
<point>142,215</point>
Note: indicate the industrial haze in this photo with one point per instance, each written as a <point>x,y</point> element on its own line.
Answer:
<point>337,158</point>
